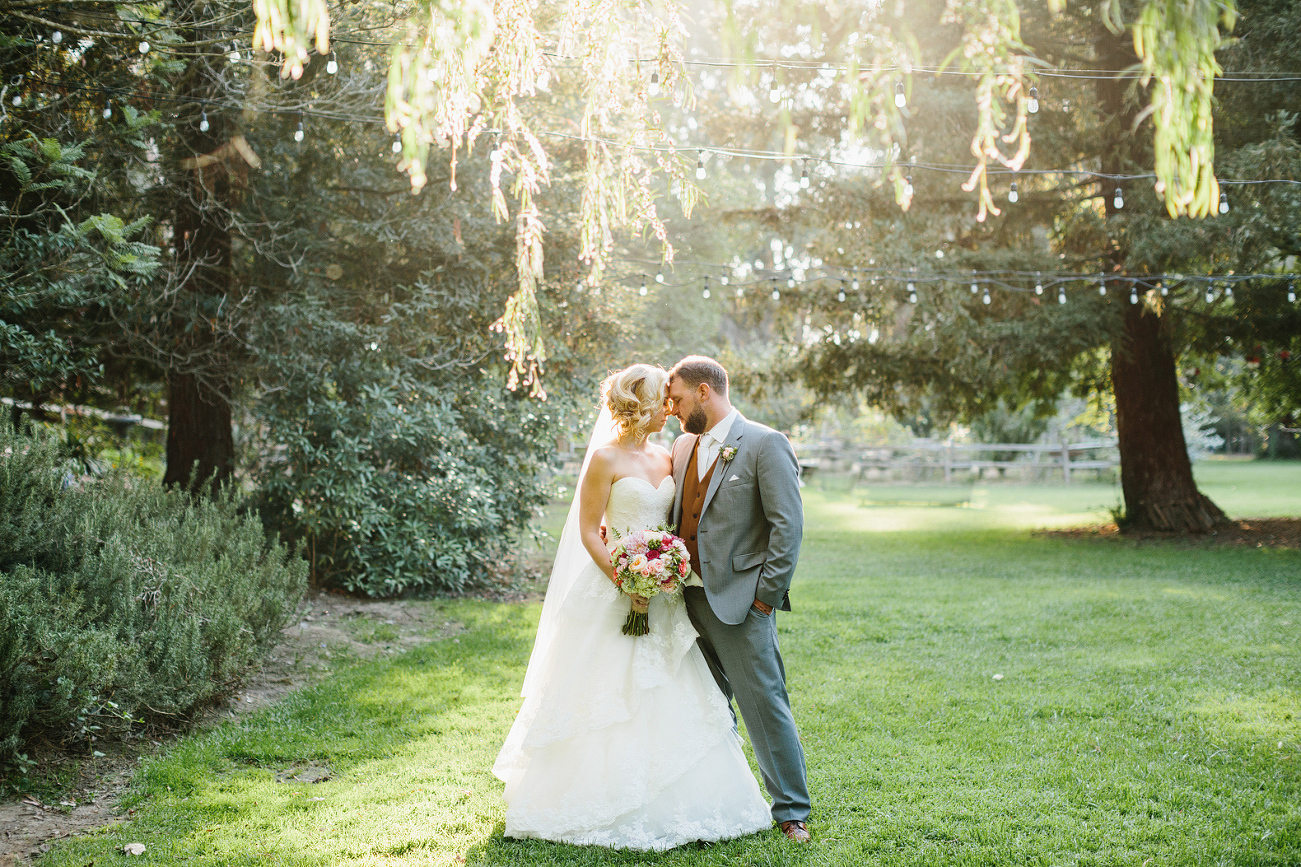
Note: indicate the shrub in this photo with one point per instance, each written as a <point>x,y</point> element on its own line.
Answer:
<point>121,601</point>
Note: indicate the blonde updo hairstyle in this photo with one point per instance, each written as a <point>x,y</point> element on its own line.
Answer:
<point>634,395</point>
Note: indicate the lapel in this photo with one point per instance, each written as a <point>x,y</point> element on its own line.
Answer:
<point>721,469</point>
<point>681,457</point>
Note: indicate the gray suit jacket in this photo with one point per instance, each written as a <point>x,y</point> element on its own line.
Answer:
<point>753,519</point>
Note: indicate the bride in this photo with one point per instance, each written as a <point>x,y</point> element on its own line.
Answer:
<point>622,741</point>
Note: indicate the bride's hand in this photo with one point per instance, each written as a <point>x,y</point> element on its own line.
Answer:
<point>640,604</point>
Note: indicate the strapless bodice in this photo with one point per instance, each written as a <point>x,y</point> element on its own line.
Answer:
<point>636,504</point>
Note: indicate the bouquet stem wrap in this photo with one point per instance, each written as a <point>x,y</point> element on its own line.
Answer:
<point>638,622</point>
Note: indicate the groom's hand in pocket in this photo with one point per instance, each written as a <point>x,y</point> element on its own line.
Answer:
<point>762,607</point>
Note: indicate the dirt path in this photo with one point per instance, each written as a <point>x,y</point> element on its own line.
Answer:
<point>328,629</point>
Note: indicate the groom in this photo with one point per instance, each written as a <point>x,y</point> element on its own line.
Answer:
<point>738,509</point>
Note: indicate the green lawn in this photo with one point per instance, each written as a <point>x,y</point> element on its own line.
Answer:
<point>968,694</point>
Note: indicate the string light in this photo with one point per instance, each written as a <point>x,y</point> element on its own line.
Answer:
<point>234,56</point>
<point>724,279</point>
<point>1291,293</point>
<point>56,37</point>
<point>899,99</point>
<point>1118,200</point>
<point>108,110</point>
<point>1165,290</point>
<point>659,276</point>
<point>705,292</point>
<point>1012,194</point>
<point>874,336</point>
<point>1038,284</point>
<point>840,296</point>
<point>397,144</point>
<point>908,186</point>
<point>203,120</point>
<point>1228,291</point>
<point>1133,295</point>
<point>1224,202</point>
<point>1061,294</point>
<point>975,289</point>
<point>1210,294</point>
<point>1102,285</point>
<point>804,176</point>
<point>654,87</point>
<point>700,165</point>
<point>986,299</point>
<point>143,47</point>
<point>1032,104</point>
<point>331,65</point>
<point>912,293</point>
<point>298,133</point>
<point>642,290</point>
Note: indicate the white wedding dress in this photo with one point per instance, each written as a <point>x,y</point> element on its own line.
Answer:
<point>622,741</point>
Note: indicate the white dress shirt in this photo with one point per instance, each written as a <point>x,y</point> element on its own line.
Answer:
<point>711,443</point>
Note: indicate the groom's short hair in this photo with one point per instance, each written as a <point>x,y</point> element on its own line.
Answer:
<point>695,369</point>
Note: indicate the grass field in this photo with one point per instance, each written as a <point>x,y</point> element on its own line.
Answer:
<point>968,694</point>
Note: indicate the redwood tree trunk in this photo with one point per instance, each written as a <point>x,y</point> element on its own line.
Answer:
<point>1155,472</point>
<point>200,439</point>
<point>1156,475</point>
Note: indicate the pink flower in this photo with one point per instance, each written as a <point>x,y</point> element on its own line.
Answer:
<point>683,568</point>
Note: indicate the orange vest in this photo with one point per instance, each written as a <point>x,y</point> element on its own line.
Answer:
<point>693,502</point>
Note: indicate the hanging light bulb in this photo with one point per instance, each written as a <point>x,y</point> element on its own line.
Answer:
<point>986,299</point>
<point>143,47</point>
<point>1102,286</point>
<point>804,176</point>
<point>1224,202</point>
<point>908,186</point>
<point>654,87</point>
<point>776,295</point>
<point>1032,104</point>
<point>108,109</point>
<point>659,276</point>
<point>1228,291</point>
<point>853,284</point>
<point>840,296</point>
<point>298,133</point>
<point>975,288</point>
<point>1291,293</point>
<point>234,56</point>
<point>1012,194</point>
<point>724,279</point>
<point>1118,200</point>
<point>1038,284</point>
<point>331,65</point>
<point>1165,290</point>
<point>790,282</point>
<point>774,92</point>
<point>874,336</point>
<point>700,165</point>
<point>912,294</point>
<point>397,144</point>
<point>203,121</point>
<point>1133,295</point>
<point>1210,294</point>
<point>1061,294</point>
<point>642,290</point>
<point>705,293</point>
<point>899,99</point>
<point>56,37</point>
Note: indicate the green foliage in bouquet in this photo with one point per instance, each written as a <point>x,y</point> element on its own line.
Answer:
<point>122,602</point>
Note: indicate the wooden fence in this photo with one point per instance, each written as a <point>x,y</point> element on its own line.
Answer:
<point>930,460</point>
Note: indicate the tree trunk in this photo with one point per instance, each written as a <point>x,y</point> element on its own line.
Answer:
<point>200,439</point>
<point>1155,472</point>
<point>199,434</point>
<point>1156,475</point>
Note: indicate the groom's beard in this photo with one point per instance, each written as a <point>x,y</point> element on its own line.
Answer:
<point>696,421</point>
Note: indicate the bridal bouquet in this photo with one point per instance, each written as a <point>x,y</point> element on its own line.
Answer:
<point>647,562</point>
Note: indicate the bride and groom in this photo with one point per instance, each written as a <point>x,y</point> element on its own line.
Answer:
<point>631,741</point>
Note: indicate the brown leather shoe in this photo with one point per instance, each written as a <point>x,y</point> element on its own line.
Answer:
<point>795,830</point>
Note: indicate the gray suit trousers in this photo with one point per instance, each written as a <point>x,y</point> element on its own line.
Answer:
<point>747,664</point>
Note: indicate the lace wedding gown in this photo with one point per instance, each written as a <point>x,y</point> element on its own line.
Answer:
<point>626,742</point>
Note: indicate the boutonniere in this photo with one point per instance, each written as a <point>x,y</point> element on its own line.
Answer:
<point>727,453</point>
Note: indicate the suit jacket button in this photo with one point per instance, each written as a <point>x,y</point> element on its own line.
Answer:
<point>693,538</point>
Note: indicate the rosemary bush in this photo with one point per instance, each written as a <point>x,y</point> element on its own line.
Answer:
<point>122,602</point>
